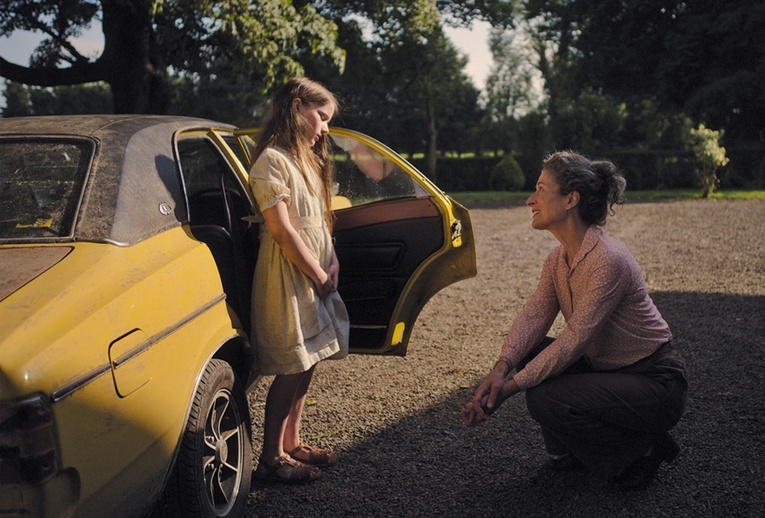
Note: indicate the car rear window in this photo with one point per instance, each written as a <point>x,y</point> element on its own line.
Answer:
<point>41,185</point>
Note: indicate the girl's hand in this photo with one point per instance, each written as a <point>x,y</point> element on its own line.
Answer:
<point>334,271</point>
<point>325,288</point>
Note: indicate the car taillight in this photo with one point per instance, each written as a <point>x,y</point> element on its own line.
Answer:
<point>27,441</point>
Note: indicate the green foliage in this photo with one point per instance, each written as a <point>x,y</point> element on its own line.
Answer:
<point>510,87</point>
<point>16,100</point>
<point>222,94</point>
<point>534,143</point>
<point>710,157</point>
<point>404,81</point>
<point>705,57</point>
<point>462,174</point>
<point>61,100</point>
<point>507,175</point>
<point>590,123</point>
<point>268,38</point>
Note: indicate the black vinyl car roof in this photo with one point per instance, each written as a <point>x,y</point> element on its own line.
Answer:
<point>133,189</point>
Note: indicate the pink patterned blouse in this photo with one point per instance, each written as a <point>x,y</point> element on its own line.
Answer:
<point>610,318</point>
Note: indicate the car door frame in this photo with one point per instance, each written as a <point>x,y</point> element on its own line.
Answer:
<point>454,260</point>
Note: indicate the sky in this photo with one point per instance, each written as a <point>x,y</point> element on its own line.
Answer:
<point>474,44</point>
<point>471,42</point>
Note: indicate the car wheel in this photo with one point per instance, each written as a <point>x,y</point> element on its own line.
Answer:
<point>211,477</point>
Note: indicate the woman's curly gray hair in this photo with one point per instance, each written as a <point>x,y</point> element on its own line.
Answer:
<point>598,182</point>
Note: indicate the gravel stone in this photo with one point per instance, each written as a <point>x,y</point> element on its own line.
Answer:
<point>395,421</point>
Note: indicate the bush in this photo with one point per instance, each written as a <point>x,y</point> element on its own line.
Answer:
<point>710,156</point>
<point>507,175</point>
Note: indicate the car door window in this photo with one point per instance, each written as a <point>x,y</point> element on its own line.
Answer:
<point>364,175</point>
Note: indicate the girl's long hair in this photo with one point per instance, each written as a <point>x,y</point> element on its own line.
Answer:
<point>286,128</point>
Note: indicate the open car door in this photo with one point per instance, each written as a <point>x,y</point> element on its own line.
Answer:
<point>398,237</point>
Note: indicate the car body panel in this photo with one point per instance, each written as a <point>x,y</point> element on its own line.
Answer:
<point>91,298</point>
<point>18,266</point>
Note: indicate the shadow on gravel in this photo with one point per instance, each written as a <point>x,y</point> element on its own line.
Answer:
<point>429,464</point>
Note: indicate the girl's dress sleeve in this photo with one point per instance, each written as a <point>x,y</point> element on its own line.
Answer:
<point>269,179</point>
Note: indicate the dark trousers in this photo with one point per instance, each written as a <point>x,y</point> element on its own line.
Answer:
<point>608,419</point>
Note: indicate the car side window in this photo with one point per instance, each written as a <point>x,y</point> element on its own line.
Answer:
<point>200,165</point>
<point>364,175</point>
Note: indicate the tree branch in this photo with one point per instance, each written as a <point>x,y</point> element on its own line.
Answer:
<point>78,74</point>
<point>62,42</point>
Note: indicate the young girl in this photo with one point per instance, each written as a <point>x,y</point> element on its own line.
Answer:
<point>298,317</point>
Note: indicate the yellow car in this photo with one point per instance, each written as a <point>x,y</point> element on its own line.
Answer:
<point>127,246</point>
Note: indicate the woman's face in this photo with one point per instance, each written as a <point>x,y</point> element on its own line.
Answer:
<point>548,205</point>
<point>316,117</point>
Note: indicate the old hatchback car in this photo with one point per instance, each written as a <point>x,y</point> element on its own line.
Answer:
<point>127,246</point>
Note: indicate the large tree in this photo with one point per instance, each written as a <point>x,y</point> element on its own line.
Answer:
<point>142,38</point>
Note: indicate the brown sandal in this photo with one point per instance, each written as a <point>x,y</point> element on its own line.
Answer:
<point>286,470</point>
<point>317,457</point>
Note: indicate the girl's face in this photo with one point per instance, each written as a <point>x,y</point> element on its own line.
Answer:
<point>316,118</point>
<point>548,205</point>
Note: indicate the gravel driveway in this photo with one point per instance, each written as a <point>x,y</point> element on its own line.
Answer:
<point>395,421</point>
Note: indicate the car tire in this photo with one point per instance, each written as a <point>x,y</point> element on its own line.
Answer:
<point>212,473</point>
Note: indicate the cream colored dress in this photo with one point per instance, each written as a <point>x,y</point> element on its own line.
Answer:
<point>292,327</point>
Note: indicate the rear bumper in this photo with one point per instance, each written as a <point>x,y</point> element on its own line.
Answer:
<point>56,496</point>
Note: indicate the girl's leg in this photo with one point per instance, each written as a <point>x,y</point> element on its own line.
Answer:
<point>284,405</point>
<point>280,404</point>
<point>292,444</point>
<point>291,438</point>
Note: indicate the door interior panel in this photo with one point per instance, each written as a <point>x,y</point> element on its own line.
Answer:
<point>389,239</point>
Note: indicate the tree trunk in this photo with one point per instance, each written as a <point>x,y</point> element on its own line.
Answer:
<point>131,63</point>
<point>134,69</point>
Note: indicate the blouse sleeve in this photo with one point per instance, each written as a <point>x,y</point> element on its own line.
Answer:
<point>536,317</point>
<point>269,179</point>
<point>603,290</point>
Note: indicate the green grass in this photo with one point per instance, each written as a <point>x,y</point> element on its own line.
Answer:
<point>504,198</point>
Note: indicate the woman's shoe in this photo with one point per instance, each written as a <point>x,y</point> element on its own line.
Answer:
<point>565,462</point>
<point>641,473</point>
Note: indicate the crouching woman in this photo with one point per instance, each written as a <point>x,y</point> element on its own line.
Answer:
<point>606,391</point>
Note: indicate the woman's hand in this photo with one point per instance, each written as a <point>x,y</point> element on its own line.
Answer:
<point>472,414</point>
<point>489,395</point>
